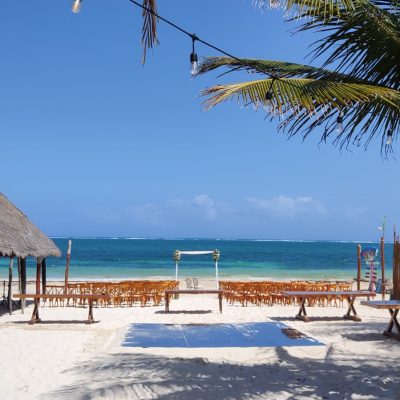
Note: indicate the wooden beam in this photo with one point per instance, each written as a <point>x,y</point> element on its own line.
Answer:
<point>10,277</point>
<point>44,276</point>
<point>23,279</point>
<point>358,267</point>
<point>38,271</point>
<point>383,266</point>
<point>67,266</point>
<point>21,304</point>
<point>396,269</point>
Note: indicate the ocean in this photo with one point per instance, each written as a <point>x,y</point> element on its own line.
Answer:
<point>130,258</point>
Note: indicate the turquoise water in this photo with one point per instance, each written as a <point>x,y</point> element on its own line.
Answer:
<point>122,258</point>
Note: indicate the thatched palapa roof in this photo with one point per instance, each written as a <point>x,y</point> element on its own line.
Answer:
<point>19,237</point>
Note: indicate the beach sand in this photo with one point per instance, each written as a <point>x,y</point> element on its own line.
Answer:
<point>62,358</point>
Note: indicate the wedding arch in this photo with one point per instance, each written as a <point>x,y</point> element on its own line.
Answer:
<point>215,255</point>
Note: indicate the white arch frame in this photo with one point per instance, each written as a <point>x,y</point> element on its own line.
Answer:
<point>195,253</point>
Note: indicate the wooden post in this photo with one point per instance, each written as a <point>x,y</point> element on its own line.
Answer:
<point>38,271</point>
<point>396,269</point>
<point>44,273</point>
<point>383,266</point>
<point>358,267</point>
<point>21,304</point>
<point>10,276</point>
<point>23,280</point>
<point>67,266</point>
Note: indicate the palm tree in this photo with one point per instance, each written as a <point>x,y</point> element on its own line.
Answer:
<point>354,102</point>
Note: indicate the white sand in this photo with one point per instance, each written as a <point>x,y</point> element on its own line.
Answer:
<point>71,360</point>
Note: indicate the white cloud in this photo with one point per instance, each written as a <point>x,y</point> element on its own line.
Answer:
<point>148,213</point>
<point>288,207</point>
<point>201,203</point>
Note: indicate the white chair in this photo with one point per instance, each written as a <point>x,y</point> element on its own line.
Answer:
<point>196,284</point>
<point>188,284</point>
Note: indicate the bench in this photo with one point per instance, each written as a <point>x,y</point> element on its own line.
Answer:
<point>350,297</point>
<point>393,306</point>
<point>36,297</point>
<point>169,293</point>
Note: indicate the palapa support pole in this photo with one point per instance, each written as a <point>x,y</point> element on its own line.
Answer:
<point>383,266</point>
<point>67,266</point>
<point>358,267</point>
<point>10,277</point>
<point>23,280</point>
<point>176,271</point>
<point>44,276</point>
<point>21,304</point>
<point>38,269</point>
<point>38,273</point>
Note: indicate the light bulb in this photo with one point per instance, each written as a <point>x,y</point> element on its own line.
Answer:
<point>389,138</point>
<point>76,6</point>
<point>339,123</point>
<point>268,101</point>
<point>274,3</point>
<point>193,63</point>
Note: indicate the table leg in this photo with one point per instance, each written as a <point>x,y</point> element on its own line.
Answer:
<point>393,322</point>
<point>166,302</point>
<point>35,314</point>
<point>302,311</point>
<point>220,301</point>
<point>351,310</point>
<point>90,319</point>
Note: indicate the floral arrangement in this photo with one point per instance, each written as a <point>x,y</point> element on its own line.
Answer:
<point>177,255</point>
<point>215,255</point>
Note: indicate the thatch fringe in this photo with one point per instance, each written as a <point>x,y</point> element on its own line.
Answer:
<point>19,237</point>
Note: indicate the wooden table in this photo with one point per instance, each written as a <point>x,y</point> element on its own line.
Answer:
<point>89,297</point>
<point>393,306</point>
<point>350,297</point>
<point>169,293</point>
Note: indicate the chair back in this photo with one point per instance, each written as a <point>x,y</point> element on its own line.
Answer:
<point>195,283</point>
<point>188,283</point>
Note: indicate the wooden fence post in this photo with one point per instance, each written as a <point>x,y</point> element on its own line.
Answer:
<point>383,266</point>
<point>396,269</point>
<point>358,267</point>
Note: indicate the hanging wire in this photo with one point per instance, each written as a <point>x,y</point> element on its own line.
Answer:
<point>196,38</point>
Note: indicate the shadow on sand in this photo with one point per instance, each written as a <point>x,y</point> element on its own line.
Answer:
<point>146,376</point>
<point>185,312</point>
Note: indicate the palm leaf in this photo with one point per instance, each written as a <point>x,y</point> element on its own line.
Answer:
<point>365,43</point>
<point>278,69</point>
<point>149,28</point>
<point>306,104</point>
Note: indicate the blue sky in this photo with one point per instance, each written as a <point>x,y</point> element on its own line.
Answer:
<point>95,144</point>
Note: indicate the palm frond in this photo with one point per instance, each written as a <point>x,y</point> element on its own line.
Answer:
<point>311,8</point>
<point>278,69</point>
<point>307,104</point>
<point>149,28</point>
<point>365,43</point>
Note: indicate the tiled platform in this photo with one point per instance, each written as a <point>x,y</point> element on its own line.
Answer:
<point>258,334</point>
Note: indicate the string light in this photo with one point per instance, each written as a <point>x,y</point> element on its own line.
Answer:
<point>339,123</point>
<point>268,105</point>
<point>193,57</point>
<point>76,6</point>
<point>268,99</point>
<point>274,3</point>
<point>389,137</point>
